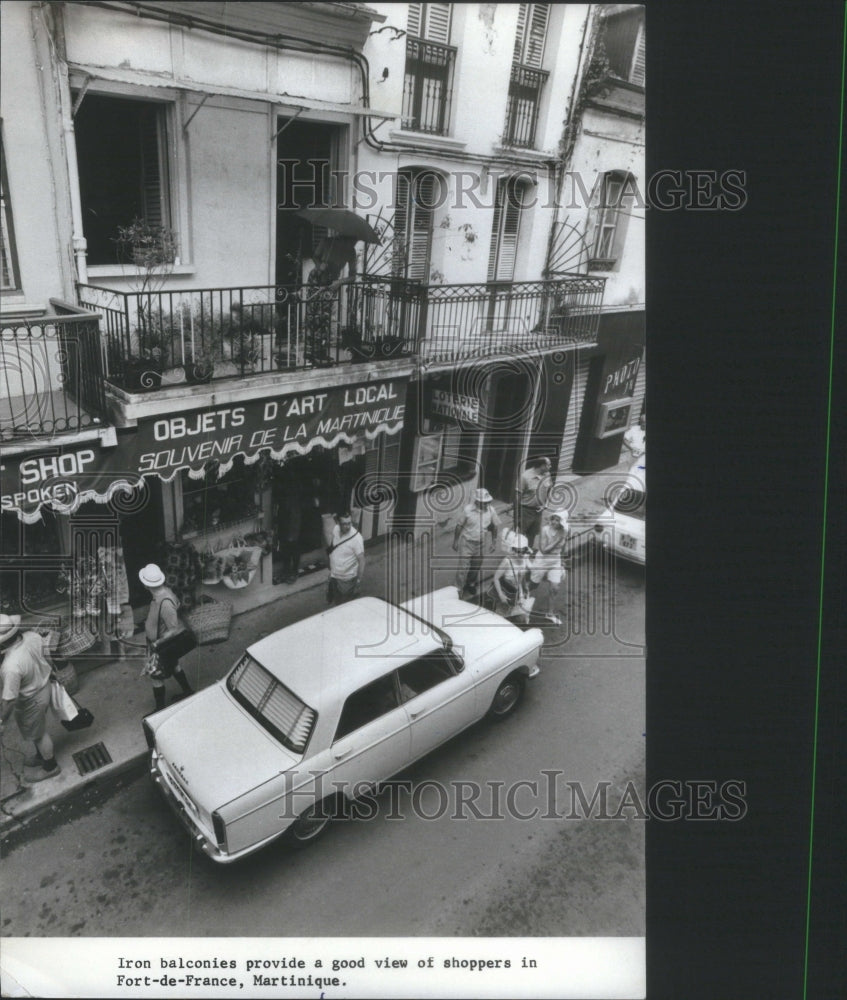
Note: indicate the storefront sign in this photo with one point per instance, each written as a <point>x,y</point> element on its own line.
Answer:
<point>619,383</point>
<point>64,478</point>
<point>456,406</point>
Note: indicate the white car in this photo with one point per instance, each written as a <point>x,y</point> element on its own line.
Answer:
<point>622,526</point>
<point>328,708</point>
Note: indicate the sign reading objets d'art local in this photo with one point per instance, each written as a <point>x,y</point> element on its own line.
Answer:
<point>65,477</point>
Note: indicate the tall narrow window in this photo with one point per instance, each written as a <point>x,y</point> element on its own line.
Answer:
<point>418,193</point>
<point>506,229</point>
<point>527,77</point>
<point>123,175</point>
<point>610,218</point>
<point>9,276</point>
<point>623,39</point>
<point>428,81</point>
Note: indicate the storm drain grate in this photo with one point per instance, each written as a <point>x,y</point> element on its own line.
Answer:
<point>92,758</point>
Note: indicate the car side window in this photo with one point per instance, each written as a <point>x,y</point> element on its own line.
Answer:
<point>424,673</point>
<point>368,703</point>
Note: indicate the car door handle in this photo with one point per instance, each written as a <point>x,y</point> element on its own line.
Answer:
<point>338,754</point>
<point>414,715</point>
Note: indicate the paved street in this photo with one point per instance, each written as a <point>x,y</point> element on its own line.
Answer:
<point>125,867</point>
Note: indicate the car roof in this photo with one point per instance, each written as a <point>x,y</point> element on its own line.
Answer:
<point>327,656</point>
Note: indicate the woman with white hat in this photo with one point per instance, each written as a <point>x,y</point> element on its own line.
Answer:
<point>546,563</point>
<point>162,621</point>
<point>25,674</point>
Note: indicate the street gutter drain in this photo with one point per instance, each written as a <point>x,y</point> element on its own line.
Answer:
<point>92,758</point>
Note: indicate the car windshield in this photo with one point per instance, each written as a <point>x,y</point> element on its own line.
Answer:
<point>631,502</point>
<point>270,702</point>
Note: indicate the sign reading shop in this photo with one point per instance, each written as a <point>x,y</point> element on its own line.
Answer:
<point>295,423</point>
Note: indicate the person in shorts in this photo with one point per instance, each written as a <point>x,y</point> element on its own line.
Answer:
<point>25,676</point>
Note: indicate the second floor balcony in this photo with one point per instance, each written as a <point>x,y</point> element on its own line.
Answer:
<point>51,376</point>
<point>157,340</point>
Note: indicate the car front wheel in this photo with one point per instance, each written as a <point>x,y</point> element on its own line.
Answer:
<point>507,697</point>
<point>312,823</point>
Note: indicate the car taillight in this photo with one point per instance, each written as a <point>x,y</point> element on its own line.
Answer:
<point>220,832</point>
<point>148,733</point>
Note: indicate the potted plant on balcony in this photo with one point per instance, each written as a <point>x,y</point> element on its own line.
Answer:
<point>200,363</point>
<point>151,249</point>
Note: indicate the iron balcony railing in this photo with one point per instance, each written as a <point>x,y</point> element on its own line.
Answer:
<point>428,86</point>
<point>51,376</point>
<point>525,86</point>
<point>158,339</point>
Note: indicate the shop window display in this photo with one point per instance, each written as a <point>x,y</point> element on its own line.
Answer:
<point>23,589</point>
<point>220,500</point>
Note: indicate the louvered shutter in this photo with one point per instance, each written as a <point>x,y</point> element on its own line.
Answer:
<point>505,230</point>
<point>534,47</point>
<point>531,34</point>
<point>424,193</point>
<point>413,24</point>
<point>151,168</point>
<point>636,75</point>
<point>517,55</point>
<point>401,225</point>
<point>437,28</point>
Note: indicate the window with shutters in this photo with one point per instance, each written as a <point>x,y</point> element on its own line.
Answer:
<point>610,218</point>
<point>505,230</point>
<point>9,274</point>
<point>527,79</point>
<point>623,39</point>
<point>123,169</point>
<point>428,81</point>
<point>419,192</point>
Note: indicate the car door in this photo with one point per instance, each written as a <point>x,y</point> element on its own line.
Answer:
<point>372,740</point>
<point>439,696</point>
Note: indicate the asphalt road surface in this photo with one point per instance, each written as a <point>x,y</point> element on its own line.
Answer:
<point>426,862</point>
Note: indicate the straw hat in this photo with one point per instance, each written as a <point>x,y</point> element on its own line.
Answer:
<point>10,625</point>
<point>151,576</point>
<point>482,495</point>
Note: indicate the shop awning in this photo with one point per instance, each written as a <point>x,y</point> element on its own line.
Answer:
<point>63,478</point>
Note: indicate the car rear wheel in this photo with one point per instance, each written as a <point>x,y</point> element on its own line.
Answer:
<point>313,822</point>
<point>507,697</point>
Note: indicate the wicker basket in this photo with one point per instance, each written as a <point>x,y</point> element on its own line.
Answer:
<point>210,620</point>
<point>74,640</point>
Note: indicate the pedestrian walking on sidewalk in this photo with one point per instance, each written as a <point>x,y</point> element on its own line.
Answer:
<point>162,621</point>
<point>546,564</point>
<point>346,553</point>
<point>477,518</point>
<point>25,673</point>
<point>533,490</point>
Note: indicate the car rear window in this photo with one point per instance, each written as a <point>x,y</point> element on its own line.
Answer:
<point>632,502</point>
<point>270,702</point>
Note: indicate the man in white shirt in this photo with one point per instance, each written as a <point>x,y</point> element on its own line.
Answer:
<point>25,676</point>
<point>346,561</point>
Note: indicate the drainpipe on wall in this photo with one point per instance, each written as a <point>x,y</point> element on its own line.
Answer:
<point>79,243</point>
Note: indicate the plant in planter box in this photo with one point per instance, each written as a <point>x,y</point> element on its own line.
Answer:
<point>151,249</point>
<point>200,362</point>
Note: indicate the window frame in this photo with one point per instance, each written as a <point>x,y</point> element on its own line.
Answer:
<point>454,663</point>
<point>165,214</point>
<point>9,245</point>
<point>608,229</point>
<point>394,683</point>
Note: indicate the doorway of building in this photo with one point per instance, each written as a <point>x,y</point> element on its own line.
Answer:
<point>307,154</point>
<point>510,409</point>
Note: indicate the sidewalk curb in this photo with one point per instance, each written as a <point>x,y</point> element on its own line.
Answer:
<point>12,827</point>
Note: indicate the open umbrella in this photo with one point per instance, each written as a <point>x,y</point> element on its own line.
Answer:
<point>341,221</point>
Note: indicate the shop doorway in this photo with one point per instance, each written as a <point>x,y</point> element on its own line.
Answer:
<point>510,409</point>
<point>141,532</point>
